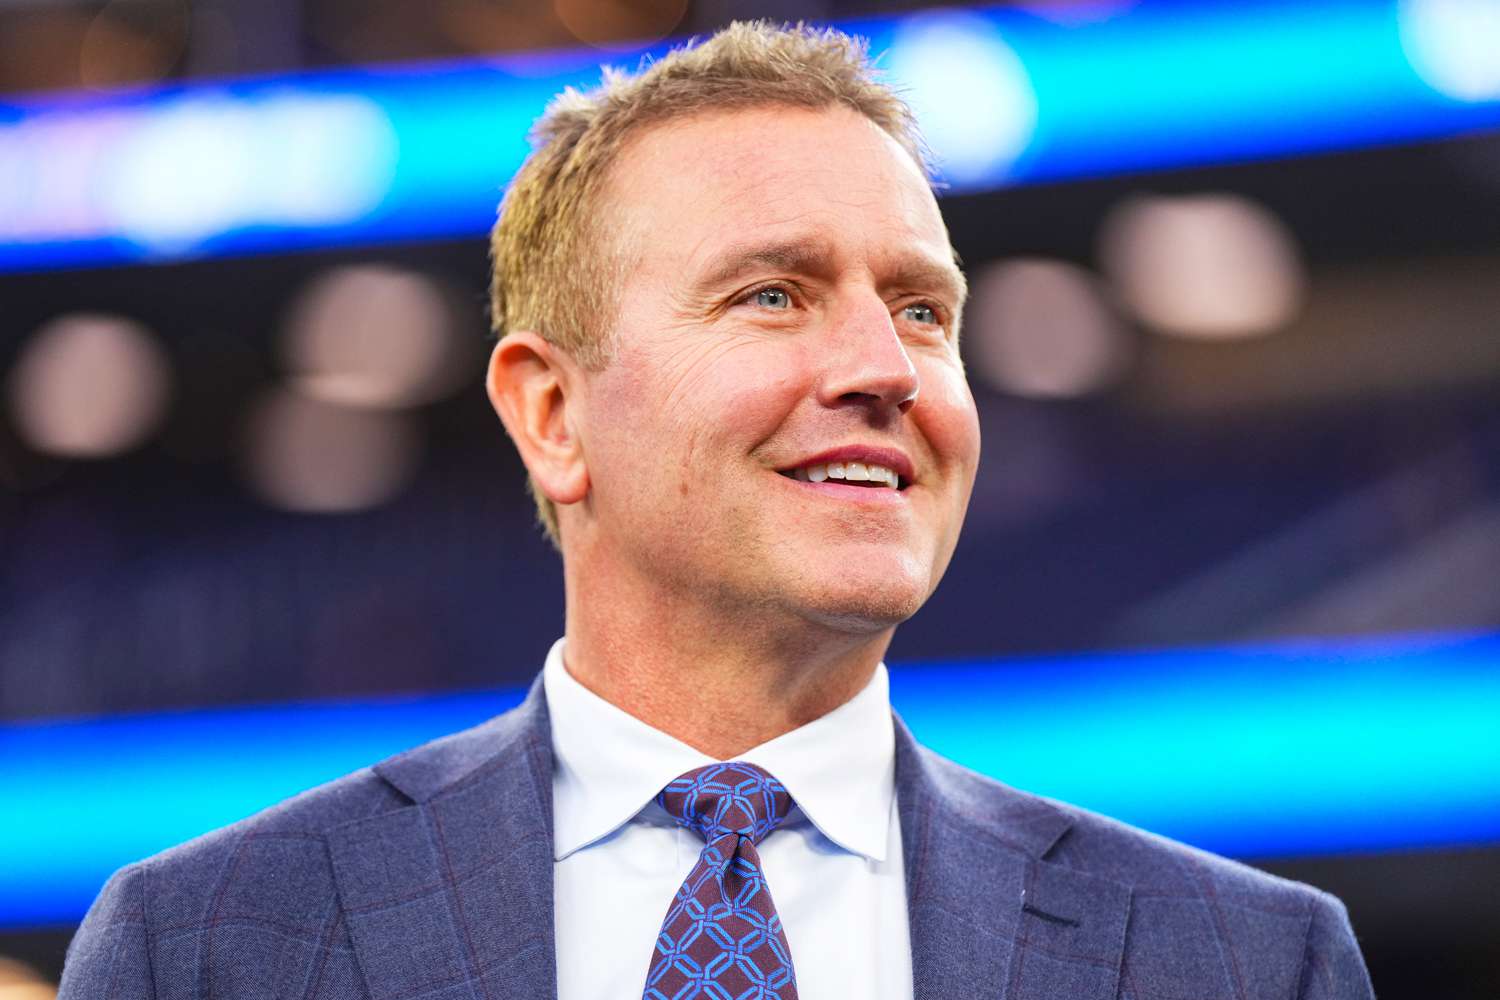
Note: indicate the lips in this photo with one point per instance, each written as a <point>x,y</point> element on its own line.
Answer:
<point>863,465</point>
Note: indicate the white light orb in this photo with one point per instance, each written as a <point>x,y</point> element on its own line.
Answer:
<point>311,456</point>
<point>968,89</point>
<point>1210,267</point>
<point>1454,46</point>
<point>89,385</point>
<point>1043,329</point>
<point>373,336</point>
<point>206,164</point>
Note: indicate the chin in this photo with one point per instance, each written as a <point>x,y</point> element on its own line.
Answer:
<point>869,606</point>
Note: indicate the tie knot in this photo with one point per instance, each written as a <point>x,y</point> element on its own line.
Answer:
<point>734,797</point>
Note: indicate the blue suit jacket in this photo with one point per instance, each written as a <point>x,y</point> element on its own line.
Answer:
<point>430,876</point>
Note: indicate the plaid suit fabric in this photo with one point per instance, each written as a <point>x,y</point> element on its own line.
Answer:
<point>429,877</point>
<point>373,887</point>
<point>722,937</point>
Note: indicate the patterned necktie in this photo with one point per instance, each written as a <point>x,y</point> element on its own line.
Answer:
<point>722,937</point>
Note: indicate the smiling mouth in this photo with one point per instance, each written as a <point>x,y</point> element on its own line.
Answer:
<point>848,473</point>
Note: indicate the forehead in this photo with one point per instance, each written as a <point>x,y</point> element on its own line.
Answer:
<point>683,191</point>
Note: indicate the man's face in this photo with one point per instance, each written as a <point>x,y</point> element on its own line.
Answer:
<point>787,306</point>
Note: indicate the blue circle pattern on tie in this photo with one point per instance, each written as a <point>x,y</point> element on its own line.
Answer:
<point>722,938</point>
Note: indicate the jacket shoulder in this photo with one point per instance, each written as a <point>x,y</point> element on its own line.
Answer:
<point>278,852</point>
<point>270,875</point>
<point>291,835</point>
<point>1154,865</point>
<point>266,877</point>
<point>1195,917</point>
<point>1077,838</point>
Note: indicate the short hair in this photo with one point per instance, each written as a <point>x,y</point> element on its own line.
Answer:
<point>554,269</point>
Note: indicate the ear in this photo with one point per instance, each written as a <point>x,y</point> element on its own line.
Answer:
<point>531,385</point>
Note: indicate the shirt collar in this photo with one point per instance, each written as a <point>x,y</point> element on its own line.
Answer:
<point>609,765</point>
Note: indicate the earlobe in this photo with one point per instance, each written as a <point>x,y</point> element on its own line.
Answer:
<point>535,389</point>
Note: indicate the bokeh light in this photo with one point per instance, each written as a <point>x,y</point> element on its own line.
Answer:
<point>21,982</point>
<point>210,162</point>
<point>1043,328</point>
<point>1211,266</point>
<point>1454,45</point>
<point>373,335</point>
<point>89,385</point>
<point>132,42</point>
<point>620,25</point>
<point>307,455</point>
<point>968,89</point>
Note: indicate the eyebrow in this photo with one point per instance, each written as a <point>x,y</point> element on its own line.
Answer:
<point>919,272</point>
<point>811,256</point>
<point>805,256</point>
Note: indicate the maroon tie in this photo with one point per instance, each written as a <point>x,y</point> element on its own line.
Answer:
<point>722,938</point>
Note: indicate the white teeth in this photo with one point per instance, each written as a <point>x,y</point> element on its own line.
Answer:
<point>848,471</point>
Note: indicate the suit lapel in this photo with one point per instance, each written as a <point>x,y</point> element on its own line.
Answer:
<point>990,917</point>
<point>451,895</point>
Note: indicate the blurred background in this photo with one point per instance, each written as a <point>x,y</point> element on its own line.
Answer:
<point>1234,334</point>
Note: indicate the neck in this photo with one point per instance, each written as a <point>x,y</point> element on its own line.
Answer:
<point>719,681</point>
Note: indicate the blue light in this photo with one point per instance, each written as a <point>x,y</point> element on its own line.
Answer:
<point>1298,748</point>
<point>1011,97</point>
<point>1453,44</point>
<point>968,89</point>
<point>80,798</point>
<point>1306,748</point>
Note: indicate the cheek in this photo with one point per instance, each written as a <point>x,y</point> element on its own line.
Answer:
<point>681,414</point>
<point>949,418</point>
<point>729,395</point>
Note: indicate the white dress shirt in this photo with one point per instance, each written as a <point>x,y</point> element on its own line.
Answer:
<point>834,866</point>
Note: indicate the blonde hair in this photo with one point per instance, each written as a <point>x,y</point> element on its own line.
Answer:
<point>553,265</point>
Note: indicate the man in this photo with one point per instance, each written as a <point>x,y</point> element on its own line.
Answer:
<point>728,317</point>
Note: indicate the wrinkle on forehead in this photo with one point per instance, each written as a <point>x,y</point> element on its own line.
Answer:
<point>867,186</point>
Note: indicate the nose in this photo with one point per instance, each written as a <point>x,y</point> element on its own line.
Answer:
<point>866,362</point>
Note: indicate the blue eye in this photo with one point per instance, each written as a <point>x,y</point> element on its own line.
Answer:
<point>773,298</point>
<point>920,313</point>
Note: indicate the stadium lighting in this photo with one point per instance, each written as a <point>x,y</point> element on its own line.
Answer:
<point>1307,747</point>
<point>1011,96</point>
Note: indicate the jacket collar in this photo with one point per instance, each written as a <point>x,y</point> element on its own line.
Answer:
<point>990,915</point>
<point>455,889</point>
<point>453,893</point>
<point>433,768</point>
